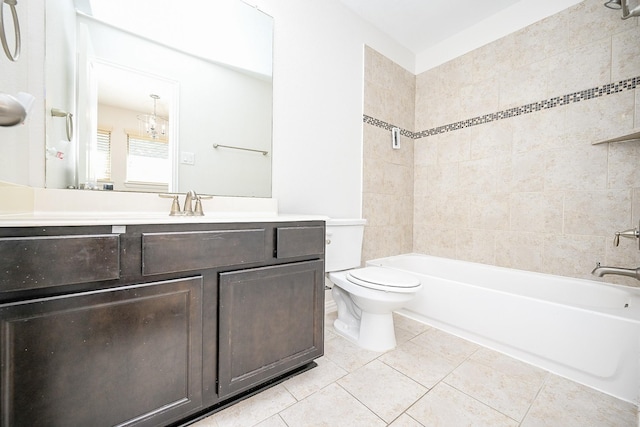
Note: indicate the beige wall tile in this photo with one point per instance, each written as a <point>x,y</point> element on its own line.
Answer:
<point>599,119</point>
<point>540,130</point>
<point>438,178</point>
<point>581,68</point>
<point>489,211</point>
<point>625,56</point>
<point>425,151</point>
<point>521,250</point>
<point>476,245</point>
<point>528,192</point>
<point>636,120</point>
<point>436,242</point>
<point>479,98</point>
<point>572,255</point>
<point>537,212</point>
<point>537,76</point>
<point>388,175</point>
<point>478,176</point>
<point>491,140</point>
<point>522,171</point>
<point>454,146</point>
<point>596,212</point>
<point>635,206</point>
<point>576,169</point>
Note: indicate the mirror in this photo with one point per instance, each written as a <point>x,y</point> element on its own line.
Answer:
<point>200,70</point>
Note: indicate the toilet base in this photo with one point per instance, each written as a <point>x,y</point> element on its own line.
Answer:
<point>375,332</point>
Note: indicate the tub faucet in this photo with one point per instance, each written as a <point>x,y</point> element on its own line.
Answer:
<point>630,272</point>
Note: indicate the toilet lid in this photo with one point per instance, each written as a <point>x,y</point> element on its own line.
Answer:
<point>381,278</point>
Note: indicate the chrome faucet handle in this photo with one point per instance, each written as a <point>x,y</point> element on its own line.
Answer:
<point>632,233</point>
<point>198,210</point>
<point>175,204</point>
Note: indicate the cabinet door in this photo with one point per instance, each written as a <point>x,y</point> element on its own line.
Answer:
<point>271,321</point>
<point>125,356</point>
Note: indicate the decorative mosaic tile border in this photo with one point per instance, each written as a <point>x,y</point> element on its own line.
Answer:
<point>584,95</point>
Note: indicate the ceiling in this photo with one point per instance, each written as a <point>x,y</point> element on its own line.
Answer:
<point>421,24</point>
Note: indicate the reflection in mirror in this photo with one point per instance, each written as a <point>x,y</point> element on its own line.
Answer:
<point>210,65</point>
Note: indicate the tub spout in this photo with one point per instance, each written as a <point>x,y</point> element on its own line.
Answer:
<point>631,272</point>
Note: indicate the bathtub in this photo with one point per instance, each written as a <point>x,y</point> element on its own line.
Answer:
<point>583,330</point>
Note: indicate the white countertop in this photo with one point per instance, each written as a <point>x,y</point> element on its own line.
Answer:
<point>51,219</point>
<point>33,207</point>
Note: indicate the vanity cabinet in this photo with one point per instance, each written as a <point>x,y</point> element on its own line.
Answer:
<point>264,323</point>
<point>152,325</point>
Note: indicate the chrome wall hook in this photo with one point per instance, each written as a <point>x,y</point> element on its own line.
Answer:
<point>69,127</point>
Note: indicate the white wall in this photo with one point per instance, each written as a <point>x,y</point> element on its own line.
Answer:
<point>318,96</point>
<point>507,21</point>
<point>22,146</point>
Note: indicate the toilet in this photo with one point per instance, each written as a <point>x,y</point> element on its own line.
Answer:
<point>365,297</point>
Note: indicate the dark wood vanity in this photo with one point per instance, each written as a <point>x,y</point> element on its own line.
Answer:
<point>153,325</point>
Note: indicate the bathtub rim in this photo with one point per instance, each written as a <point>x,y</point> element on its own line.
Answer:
<point>631,315</point>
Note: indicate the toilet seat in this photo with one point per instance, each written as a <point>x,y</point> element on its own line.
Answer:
<point>383,279</point>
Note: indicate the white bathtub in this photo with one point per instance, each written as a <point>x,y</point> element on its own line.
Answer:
<point>583,330</point>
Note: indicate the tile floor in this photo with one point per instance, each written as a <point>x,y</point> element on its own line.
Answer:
<point>430,379</point>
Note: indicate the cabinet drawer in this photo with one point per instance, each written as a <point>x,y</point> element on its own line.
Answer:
<point>299,241</point>
<point>197,250</point>
<point>43,261</point>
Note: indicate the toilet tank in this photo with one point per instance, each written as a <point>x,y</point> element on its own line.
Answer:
<point>343,246</point>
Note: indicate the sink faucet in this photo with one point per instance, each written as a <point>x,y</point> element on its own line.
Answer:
<point>188,207</point>
<point>630,272</point>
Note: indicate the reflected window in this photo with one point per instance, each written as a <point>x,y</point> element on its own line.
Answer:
<point>148,160</point>
<point>103,159</point>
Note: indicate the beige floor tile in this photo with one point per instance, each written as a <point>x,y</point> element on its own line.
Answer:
<point>410,325</point>
<point>509,366</point>
<point>330,407</point>
<point>255,409</point>
<point>419,363</point>
<point>445,406</point>
<point>447,345</point>
<point>405,420</point>
<point>382,389</point>
<point>346,354</point>
<point>274,421</point>
<point>402,336</point>
<point>470,386</point>
<point>206,422</point>
<point>314,379</point>
<point>566,403</point>
<point>510,390</point>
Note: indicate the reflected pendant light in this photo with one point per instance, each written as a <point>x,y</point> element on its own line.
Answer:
<point>153,125</point>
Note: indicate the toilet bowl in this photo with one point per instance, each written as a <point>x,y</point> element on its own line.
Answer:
<point>365,297</point>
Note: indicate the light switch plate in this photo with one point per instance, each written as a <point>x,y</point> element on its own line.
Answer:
<point>187,158</point>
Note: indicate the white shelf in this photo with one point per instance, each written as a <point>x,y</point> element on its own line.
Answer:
<point>633,135</point>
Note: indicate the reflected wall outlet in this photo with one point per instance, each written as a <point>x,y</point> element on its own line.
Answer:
<point>187,158</point>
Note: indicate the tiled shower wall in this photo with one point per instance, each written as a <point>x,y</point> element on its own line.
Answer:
<point>389,95</point>
<point>504,171</point>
